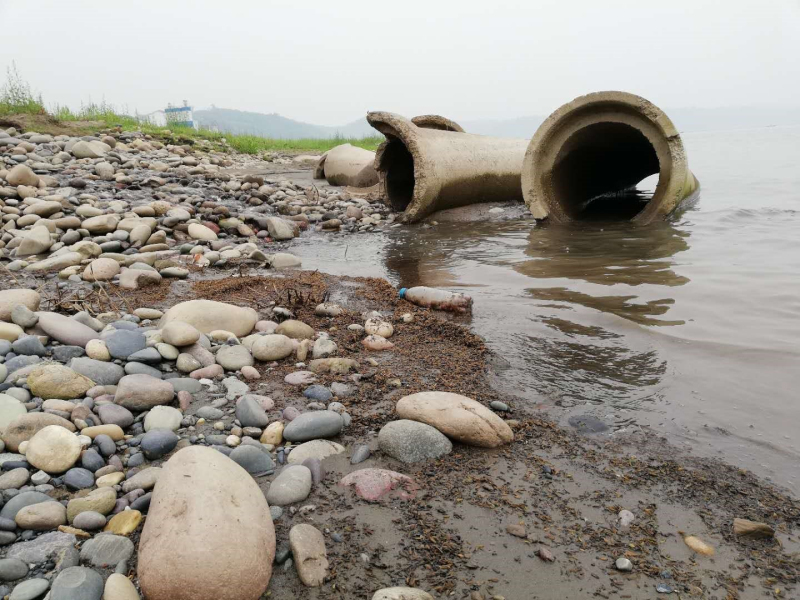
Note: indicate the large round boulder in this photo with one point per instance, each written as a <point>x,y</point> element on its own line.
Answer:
<point>207,316</point>
<point>203,495</point>
<point>458,417</point>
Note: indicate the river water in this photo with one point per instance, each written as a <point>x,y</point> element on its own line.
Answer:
<point>691,328</point>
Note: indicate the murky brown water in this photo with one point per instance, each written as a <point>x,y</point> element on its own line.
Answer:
<point>690,327</point>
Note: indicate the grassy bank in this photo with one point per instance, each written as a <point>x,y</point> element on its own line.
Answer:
<point>18,104</point>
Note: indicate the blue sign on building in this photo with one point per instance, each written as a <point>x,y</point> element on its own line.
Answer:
<point>180,116</point>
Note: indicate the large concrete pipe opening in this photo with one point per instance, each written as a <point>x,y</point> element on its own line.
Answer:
<point>429,163</point>
<point>586,159</point>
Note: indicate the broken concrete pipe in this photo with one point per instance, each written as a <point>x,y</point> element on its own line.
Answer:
<point>585,160</point>
<point>429,163</point>
<point>347,165</point>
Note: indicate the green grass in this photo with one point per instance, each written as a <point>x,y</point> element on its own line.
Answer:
<point>253,144</point>
<point>17,98</point>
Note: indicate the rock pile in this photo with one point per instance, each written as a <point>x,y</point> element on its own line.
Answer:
<point>156,425</point>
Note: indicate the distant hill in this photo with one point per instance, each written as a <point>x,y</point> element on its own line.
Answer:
<point>274,125</point>
<point>686,119</point>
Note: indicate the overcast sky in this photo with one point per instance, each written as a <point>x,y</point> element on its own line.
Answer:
<point>330,62</point>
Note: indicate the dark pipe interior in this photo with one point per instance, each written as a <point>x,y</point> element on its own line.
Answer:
<point>399,167</point>
<point>597,169</point>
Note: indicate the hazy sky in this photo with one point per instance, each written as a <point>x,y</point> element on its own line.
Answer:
<point>330,62</point>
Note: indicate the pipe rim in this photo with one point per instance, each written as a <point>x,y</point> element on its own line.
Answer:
<point>437,122</point>
<point>397,128</point>
<point>566,120</point>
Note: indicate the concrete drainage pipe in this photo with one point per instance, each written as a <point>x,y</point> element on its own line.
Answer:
<point>347,165</point>
<point>585,160</point>
<point>429,164</point>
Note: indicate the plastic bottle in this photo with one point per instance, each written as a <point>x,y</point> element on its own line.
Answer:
<point>433,298</point>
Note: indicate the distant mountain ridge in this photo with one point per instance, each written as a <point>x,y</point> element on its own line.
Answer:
<point>686,120</point>
<point>275,126</point>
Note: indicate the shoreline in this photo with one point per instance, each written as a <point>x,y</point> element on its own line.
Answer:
<point>483,523</point>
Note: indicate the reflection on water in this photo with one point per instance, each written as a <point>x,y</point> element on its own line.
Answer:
<point>605,254</point>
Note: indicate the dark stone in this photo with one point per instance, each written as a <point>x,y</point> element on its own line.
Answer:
<point>92,461</point>
<point>136,460</point>
<point>158,443</point>
<point>142,504</point>
<point>79,479</point>
<point>253,460</point>
<point>148,356</point>
<point>10,465</point>
<point>77,583</point>
<point>29,346</point>
<point>318,392</point>
<point>250,414</point>
<point>20,362</point>
<point>65,354</point>
<point>313,425</point>
<point>122,343</point>
<point>105,444</point>
<point>360,454</point>
<point>20,501</point>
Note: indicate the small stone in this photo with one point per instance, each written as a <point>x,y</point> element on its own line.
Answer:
<point>310,556</point>
<point>163,417</point>
<point>253,460</point>
<point>42,516</point>
<point>53,449</point>
<point>119,587</point>
<point>77,583</point>
<point>250,413</point>
<point>300,378</point>
<point>623,564</point>
<point>545,554</point>
<point>158,443</point>
<point>752,529</point>
<point>626,517</point>
<point>318,392</point>
<point>516,530</point>
<point>142,392</point>
<point>234,358</point>
<point>295,329</point>
<point>101,500</point>
<point>14,479</point>
<point>124,523</point>
<point>411,441</point>
<point>272,347</point>
<point>319,449</point>
<point>12,569</point>
<point>30,590</point>
<point>106,549</point>
<point>51,380</point>
<point>293,484</point>
<point>79,479</point>
<point>313,425</point>
<point>89,520</point>
<point>374,484</point>
<point>360,454</point>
